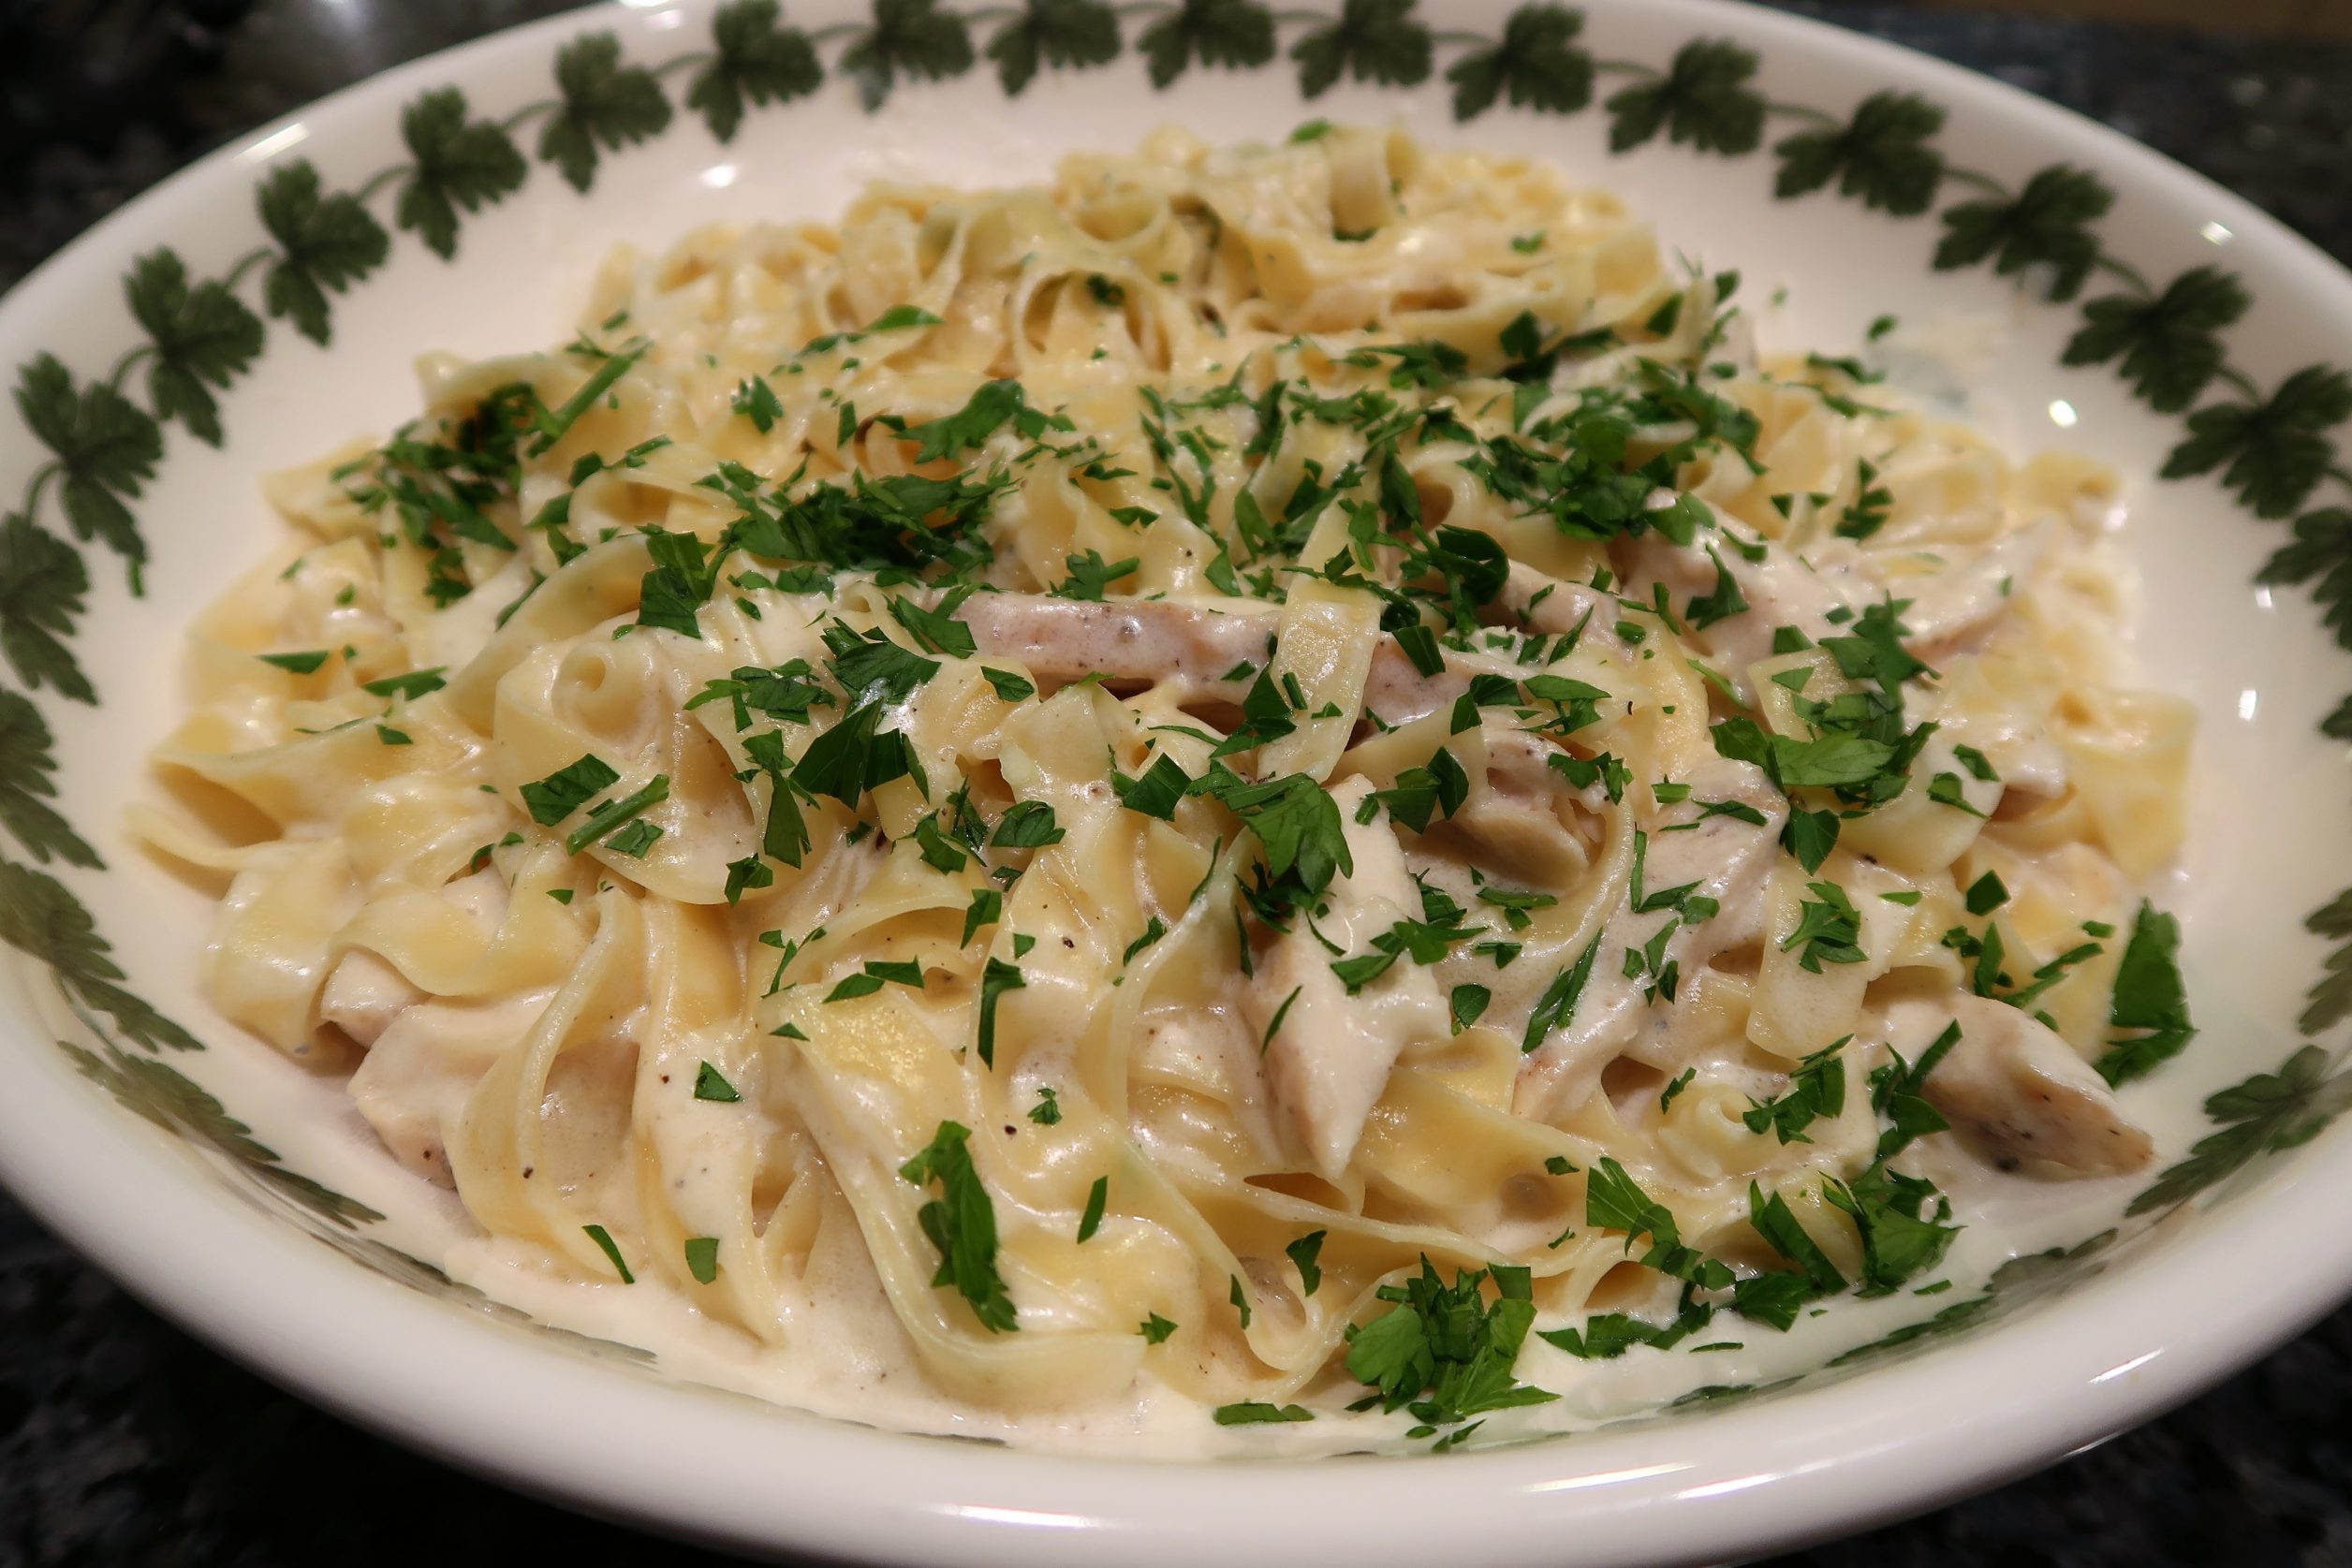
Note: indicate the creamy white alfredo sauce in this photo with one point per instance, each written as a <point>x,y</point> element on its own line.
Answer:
<point>1110,816</point>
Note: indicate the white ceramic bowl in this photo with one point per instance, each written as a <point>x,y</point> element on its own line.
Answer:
<point>213,1199</point>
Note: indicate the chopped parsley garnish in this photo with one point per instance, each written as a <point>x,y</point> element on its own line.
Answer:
<point>1153,931</point>
<point>1899,1217</point>
<point>1249,1412</point>
<point>414,684</point>
<point>1817,1090</point>
<point>1828,927</point>
<point>986,908</point>
<point>1557,1008</point>
<point>1605,1336</point>
<point>1421,646</point>
<point>603,1239</point>
<point>1302,1252</point>
<point>1420,792</point>
<point>553,423</point>
<point>1026,825</point>
<point>635,838</point>
<point>1986,894</point>
<point>1873,504</point>
<point>551,800</point>
<point>702,1258</point>
<point>756,400</point>
<point>1097,1198</point>
<point>1774,1298</point>
<point>1298,826</point>
<point>1008,686</point>
<point>1614,1201</point>
<point>1898,1092</point>
<point>996,978</point>
<point>962,1223</point>
<point>1155,791</point>
<point>1809,836</point>
<point>872,668</point>
<point>2149,997</point>
<point>1047,1113</point>
<point>1090,575</point>
<point>876,973</point>
<point>1444,1350</point>
<point>1155,1329</point>
<point>710,1084</point>
<point>851,758</point>
<point>1721,604</point>
<point>613,813</point>
<point>937,631</point>
<point>298,663</point>
<point>990,405</point>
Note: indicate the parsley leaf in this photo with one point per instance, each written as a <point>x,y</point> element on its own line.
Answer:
<point>1009,687</point>
<point>1090,575</point>
<point>1155,791</point>
<point>987,410</point>
<point>1723,602</point>
<point>1900,1220</point>
<point>551,800</point>
<point>1447,1343</point>
<point>2149,996</point>
<point>1254,1411</point>
<point>1298,825</point>
<point>996,978</point>
<point>1828,927</point>
<point>1557,1008</point>
<point>1302,1252</point>
<point>1817,1090</point>
<point>1897,1093</point>
<point>962,1223</point>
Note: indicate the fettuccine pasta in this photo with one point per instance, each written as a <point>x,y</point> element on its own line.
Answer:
<point>1260,774</point>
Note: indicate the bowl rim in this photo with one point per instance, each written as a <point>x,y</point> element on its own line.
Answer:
<point>625,1445</point>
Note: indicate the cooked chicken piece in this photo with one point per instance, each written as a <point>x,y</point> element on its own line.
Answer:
<point>2017,1093</point>
<point>1781,590</point>
<point>1146,641</point>
<point>1549,605</point>
<point>1329,1062</point>
<point>363,994</point>
<point>414,1082</point>
<point>1950,610</point>
<point>1728,857</point>
<point>1062,640</point>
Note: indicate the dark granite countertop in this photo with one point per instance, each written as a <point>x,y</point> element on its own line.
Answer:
<point>123,1443</point>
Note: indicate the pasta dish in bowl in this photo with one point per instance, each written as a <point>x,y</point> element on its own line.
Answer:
<point>1281,785</point>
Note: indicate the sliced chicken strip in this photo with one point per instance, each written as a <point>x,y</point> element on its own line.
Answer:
<point>1147,641</point>
<point>2017,1093</point>
<point>413,1084</point>
<point>1728,857</point>
<point>1329,1062</point>
<point>363,994</point>
<point>1554,606</point>
<point>1951,607</point>
<point>1782,590</point>
<point>1062,640</point>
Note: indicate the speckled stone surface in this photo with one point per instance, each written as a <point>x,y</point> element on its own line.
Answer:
<point>123,1443</point>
